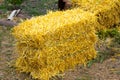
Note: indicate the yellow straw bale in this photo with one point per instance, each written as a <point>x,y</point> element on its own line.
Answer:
<point>107,11</point>
<point>51,44</point>
<point>86,5</point>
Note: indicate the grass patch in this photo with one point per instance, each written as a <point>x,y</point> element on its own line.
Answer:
<point>32,8</point>
<point>85,77</point>
<point>1,35</point>
<point>6,37</point>
<point>101,56</point>
<point>3,9</point>
<point>39,7</point>
<point>112,33</point>
<point>111,39</point>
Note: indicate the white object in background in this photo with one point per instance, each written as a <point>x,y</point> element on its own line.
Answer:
<point>17,12</point>
<point>12,15</point>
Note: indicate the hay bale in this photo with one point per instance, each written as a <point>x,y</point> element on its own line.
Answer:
<point>51,44</point>
<point>86,5</point>
<point>107,11</point>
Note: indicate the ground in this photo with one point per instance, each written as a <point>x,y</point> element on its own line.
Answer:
<point>106,68</point>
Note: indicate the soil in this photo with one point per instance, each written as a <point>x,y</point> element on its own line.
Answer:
<point>108,70</point>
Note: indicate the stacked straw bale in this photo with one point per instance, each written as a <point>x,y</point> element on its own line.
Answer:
<point>106,11</point>
<point>51,44</point>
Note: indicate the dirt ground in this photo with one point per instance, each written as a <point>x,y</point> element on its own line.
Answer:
<point>109,69</point>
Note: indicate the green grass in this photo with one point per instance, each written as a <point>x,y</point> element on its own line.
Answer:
<point>39,7</point>
<point>113,33</point>
<point>3,9</point>
<point>35,8</point>
<point>85,77</point>
<point>101,56</point>
<point>103,35</point>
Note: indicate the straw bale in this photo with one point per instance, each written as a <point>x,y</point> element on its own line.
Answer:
<point>53,43</point>
<point>107,11</point>
<point>86,5</point>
